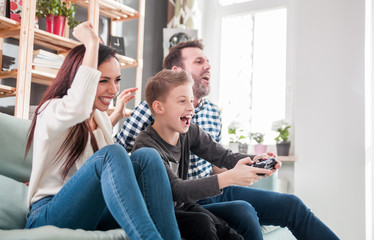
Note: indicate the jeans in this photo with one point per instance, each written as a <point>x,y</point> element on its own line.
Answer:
<point>246,208</point>
<point>112,189</point>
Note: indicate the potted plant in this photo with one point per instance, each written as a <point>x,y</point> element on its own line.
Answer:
<point>236,136</point>
<point>56,13</point>
<point>282,143</point>
<point>259,139</point>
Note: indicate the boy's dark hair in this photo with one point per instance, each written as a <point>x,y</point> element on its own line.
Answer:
<point>159,86</point>
<point>174,57</point>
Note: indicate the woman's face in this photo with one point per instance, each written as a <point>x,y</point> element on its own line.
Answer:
<point>108,85</point>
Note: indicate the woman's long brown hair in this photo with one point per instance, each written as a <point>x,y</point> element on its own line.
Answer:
<point>77,139</point>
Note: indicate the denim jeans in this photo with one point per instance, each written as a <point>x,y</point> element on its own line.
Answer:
<point>135,191</point>
<point>246,208</point>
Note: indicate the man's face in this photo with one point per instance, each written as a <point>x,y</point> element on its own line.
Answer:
<point>196,63</point>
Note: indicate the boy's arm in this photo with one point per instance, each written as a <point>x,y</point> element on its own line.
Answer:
<point>204,146</point>
<point>182,190</point>
<point>138,121</point>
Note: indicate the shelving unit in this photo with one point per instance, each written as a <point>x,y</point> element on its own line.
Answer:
<point>29,36</point>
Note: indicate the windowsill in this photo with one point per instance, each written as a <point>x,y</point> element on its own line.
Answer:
<point>287,158</point>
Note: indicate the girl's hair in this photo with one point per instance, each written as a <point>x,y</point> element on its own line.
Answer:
<point>159,86</point>
<point>77,138</point>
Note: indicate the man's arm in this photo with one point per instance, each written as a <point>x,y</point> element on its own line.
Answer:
<point>138,121</point>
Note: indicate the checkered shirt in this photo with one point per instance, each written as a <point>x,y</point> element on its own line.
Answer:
<point>207,116</point>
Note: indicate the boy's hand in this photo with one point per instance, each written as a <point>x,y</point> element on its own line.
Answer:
<point>242,174</point>
<point>266,156</point>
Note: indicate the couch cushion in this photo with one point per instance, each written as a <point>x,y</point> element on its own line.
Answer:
<point>52,232</point>
<point>13,143</point>
<point>13,207</point>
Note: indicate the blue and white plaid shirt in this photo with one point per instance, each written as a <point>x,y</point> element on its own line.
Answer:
<point>207,116</point>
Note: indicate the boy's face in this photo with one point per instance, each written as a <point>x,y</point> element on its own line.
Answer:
<point>178,108</point>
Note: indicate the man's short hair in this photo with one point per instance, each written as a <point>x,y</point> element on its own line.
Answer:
<point>159,86</point>
<point>174,57</point>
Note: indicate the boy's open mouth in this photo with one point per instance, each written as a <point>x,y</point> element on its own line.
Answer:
<point>186,120</point>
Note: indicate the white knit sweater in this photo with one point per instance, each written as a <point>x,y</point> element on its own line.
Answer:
<point>52,127</point>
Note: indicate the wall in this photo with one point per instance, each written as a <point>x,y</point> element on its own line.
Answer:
<point>326,76</point>
<point>329,112</point>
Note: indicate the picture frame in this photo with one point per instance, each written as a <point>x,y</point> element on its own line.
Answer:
<point>117,43</point>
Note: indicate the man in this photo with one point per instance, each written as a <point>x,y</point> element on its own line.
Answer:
<point>190,57</point>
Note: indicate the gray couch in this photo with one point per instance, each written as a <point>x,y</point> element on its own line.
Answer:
<point>15,171</point>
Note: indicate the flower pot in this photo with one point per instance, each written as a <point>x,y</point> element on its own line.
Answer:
<point>55,24</point>
<point>234,146</point>
<point>260,149</point>
<point>59,25</point>
<point>243,148</point>
<point>49,23</point>
<point>283,148</point>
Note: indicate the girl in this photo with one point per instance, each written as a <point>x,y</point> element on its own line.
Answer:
<point>79,178</point>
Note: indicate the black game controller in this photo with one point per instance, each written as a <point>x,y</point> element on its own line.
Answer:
<point>266,164</point>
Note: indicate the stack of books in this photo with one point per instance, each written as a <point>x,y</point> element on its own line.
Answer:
<point>47,62</point>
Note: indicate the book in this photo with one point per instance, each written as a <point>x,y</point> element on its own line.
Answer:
<point>40,53</point>
<point>50,70</point>
<point>47,59</point>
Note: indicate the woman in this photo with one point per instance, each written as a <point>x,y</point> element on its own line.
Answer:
<point>79,178</point>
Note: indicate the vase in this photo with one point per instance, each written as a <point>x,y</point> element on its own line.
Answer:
<point>59,25</point>
<point>55,24</point>
<point>234,146</point>
<point>283,148</point>
<point>260,149</point>
<point>243,148</point>
<point>49,23</point>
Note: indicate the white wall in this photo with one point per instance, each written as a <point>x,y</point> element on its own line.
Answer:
<point>329,112</point>
<point>326,72</point>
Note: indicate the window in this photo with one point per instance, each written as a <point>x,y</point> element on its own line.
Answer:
<point>253,71</point>
<point>229,2</point>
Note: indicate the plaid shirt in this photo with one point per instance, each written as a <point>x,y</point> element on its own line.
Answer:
<point>207,116</point>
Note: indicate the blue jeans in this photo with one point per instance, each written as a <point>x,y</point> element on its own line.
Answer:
<point>110,190</point>
<point>246,208</point>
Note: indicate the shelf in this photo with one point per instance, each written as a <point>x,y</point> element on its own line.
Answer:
<point>114,10</point>
<point>11,29</point>
<point>6,91</point>
<point>287,158</point>
<point>36,76</point>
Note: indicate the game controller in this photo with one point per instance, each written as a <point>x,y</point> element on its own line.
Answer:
<point>266,164</point>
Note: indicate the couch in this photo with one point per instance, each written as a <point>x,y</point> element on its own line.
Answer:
<point>15,171</point>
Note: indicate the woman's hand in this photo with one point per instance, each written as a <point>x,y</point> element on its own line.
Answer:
<point>86,35</point>
<point>120,109</point>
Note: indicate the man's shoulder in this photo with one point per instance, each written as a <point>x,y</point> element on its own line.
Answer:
<point>208,104</point>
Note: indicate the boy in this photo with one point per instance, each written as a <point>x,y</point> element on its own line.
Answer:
<point>170,98</point>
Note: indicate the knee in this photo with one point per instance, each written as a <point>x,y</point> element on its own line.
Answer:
<point>243,210</point>
<point>294,203</point>
<point>147,157</point>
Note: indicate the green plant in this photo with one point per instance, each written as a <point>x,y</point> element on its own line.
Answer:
<point>282,127</point>
<point>258,137</point>
<point>235,134</point>
<point>57,8</point>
